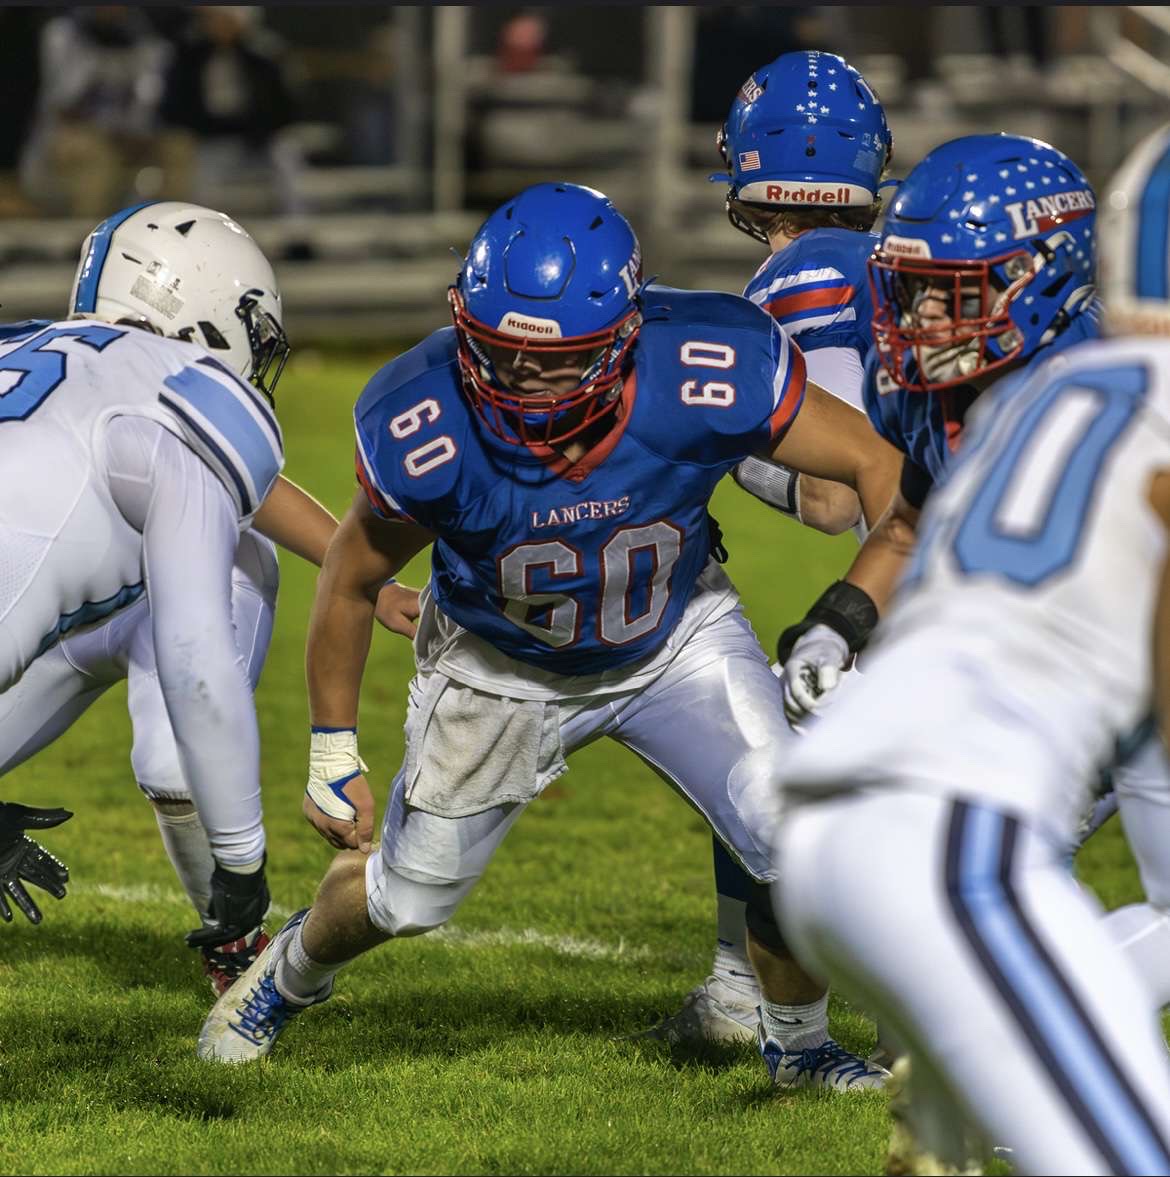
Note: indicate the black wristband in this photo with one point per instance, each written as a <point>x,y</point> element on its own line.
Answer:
<point>844,608</point>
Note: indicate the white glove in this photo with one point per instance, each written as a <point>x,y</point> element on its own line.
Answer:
<point>812,671</point>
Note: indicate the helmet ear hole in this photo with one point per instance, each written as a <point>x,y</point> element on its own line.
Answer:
<point>213,336</point>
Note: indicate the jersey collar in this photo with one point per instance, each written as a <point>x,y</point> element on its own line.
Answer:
<point>579,470</point>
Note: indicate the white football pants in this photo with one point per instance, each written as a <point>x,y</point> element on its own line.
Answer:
<point>62,683</point>
<point>711,726</point>
<point>959,926</point>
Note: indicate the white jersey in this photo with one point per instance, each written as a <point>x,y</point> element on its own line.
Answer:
<point>68,558</point>
<point>1017,657</point>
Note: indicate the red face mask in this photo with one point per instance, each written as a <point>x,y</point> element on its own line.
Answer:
<point>539,391</point>
<point>953,319</point>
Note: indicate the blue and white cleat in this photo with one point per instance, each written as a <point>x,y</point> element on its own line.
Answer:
<point>245,1022</point>
<point>828,1065</point>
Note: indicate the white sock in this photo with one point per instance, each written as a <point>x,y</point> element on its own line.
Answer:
<point>797,1027</point>
<point>731,966</point>
<point>299,977</point>
<point>185,841</point>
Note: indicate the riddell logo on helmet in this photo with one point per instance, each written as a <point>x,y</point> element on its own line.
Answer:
<point>905,246</point>
<point>1046,212</point>
<point>780,194</point>
<point>514,323</point>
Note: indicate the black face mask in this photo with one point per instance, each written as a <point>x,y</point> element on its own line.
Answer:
<point>266,340</point>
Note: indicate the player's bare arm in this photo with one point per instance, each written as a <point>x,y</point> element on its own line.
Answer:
<point>818,503</point>
<point>832,440</point>
<point>828,506</point>
<point>364,553</point>
<point>880,560</point>
<point>292,518</point>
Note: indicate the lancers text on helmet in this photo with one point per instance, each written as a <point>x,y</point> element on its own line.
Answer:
<point>1046,212</point>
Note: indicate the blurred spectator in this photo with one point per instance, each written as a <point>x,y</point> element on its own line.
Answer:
<point>522,43</point>
<point>225,100</point>
<point>101,80</point>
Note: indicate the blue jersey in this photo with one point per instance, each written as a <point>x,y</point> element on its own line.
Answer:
<point>584,567</point>
<point>913,421</point>
<point>817,289</point>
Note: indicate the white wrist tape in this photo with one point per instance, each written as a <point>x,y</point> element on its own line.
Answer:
<point>333,762</point>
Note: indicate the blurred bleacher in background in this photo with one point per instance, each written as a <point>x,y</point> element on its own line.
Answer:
<point>360,145</point>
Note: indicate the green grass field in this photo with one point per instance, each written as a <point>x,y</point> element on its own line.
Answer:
<point>494,1046</point>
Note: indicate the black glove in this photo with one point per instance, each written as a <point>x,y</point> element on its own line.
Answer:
<point>24,861</point>
<point>239,903</point>
<point>844,608</point>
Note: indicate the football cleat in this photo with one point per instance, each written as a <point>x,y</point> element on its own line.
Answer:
<point>828,1065</point>
<point>225,963</point>
<point>711,1012</point>
<point>907,1155</point>
<point>245,1022</point>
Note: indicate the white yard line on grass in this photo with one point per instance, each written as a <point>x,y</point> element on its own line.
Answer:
<point>500,938</point>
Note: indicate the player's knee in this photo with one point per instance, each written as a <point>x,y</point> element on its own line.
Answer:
<point>752,788</point>
<point>155,763</point>
<point>408,903</point>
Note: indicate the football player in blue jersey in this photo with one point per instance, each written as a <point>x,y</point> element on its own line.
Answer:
<point>806,145</point>
<point>558,446</point>
<point>191,274</point>
<point>985,267</point>
<point>1026,650</point>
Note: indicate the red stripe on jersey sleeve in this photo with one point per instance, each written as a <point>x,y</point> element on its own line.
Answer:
<point>810,300</point>
<point>376,499</point>
<point>793,395</point>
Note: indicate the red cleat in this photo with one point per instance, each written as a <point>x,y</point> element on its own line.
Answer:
<point>224,963</point>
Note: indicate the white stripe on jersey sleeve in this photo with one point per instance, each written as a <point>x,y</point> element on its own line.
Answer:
<point>800,278</point>
<point>373,478</point>
<point>840,315</point>
<point>783,369</point>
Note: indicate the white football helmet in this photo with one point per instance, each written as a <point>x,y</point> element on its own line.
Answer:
<point>190,273</point>
<point>1134,233</point>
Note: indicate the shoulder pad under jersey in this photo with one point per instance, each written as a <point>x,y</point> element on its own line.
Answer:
<point>228,423</point>
<point>413,431</point>
<point>717,379</point>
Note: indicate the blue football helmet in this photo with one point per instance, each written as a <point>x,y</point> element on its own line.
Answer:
<point>805,131</point>
<point>546,309</point>
<point>1135,239</point>
<point>986,255</point>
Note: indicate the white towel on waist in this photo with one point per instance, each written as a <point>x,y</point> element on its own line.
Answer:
<point>468,751</point>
